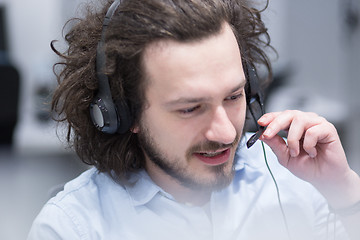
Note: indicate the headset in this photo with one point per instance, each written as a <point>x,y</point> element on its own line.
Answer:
<point>254,100</point>
<point>115,117</point>
<point>108,116</point>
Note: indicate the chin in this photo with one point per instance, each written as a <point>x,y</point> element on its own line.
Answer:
<point>214,178</point>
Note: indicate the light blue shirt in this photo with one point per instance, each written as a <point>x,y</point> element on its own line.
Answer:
<point>93,206</point>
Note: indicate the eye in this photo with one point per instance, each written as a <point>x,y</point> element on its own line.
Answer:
<point>189,110</point>
<point>234,97</point>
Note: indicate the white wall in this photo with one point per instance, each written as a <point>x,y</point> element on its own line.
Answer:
<point>350,81</point>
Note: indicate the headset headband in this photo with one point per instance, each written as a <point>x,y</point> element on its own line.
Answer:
<point>107,116</point>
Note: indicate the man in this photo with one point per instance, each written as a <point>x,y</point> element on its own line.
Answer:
<point>172,163</point>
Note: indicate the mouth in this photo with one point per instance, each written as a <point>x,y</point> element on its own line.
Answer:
<point>214,157</point>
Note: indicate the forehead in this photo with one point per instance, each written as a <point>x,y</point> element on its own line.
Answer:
<point>179,68</point>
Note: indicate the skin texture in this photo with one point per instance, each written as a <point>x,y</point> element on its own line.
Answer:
<point>195,104</point>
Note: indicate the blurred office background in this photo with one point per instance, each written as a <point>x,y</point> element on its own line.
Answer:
<point>317,70</point>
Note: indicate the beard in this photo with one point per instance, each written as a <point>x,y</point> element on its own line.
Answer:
<point>222,174</point>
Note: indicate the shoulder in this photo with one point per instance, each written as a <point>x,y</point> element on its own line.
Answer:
<point>85,190</point>
<point>83,204</point>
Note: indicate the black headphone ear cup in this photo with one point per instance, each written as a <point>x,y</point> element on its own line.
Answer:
<point>125,118</point>
<point>103,115</point>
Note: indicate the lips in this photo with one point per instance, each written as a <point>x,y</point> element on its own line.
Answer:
<point>214,158</point>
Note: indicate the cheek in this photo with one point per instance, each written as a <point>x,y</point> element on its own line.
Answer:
<point>237,115</point>
<point>170,136</point>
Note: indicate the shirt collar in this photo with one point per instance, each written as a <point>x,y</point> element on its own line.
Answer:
<point>141,188</point>
<point>249,157</point>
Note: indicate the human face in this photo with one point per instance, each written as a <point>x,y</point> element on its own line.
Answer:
<point>195,110</point>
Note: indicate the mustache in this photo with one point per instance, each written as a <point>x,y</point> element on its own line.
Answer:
<point>211,146</point>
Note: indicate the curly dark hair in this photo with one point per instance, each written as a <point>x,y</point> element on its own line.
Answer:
<point>136,24</point>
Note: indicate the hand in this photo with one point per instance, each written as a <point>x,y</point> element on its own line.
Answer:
<point>313,152</point>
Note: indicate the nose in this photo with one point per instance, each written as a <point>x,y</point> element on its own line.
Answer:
<point>220,128</point>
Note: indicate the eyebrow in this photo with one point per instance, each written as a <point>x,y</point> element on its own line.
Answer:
<point>190,100</point>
